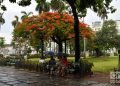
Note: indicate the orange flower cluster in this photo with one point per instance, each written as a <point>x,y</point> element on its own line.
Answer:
<point>85,33</point>
<point>48,22</point>
<point>33,26</point>
<point>42,29</point>
<point>83,25</point>
<point>71,35</point>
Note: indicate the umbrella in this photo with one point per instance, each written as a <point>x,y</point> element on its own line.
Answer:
<point>59,54</point>
<point>51,53</point>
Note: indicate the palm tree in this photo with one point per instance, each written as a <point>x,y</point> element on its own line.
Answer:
<point>102,13</point>
<point>58,5</point>
<point>42,5</point>
<point>15,22</point>
<point>25,14</point>
<point>2,21</point>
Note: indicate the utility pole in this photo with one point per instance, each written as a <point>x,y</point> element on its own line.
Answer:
<point>84,39</point>
<point>84,42</point>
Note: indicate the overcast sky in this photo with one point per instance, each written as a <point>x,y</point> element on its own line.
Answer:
<point>14,9</point>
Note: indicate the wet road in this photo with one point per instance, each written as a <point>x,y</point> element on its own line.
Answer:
<point>9,76</point>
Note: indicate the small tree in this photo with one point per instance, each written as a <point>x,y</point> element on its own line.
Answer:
<point>105,37</point>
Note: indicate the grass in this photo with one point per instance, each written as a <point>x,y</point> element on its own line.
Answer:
<point>101,64</point>
<point>104,64</point>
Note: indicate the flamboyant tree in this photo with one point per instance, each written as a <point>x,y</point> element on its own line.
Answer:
<point>54,25</point>
<point>30,29</point>
<point>60,25</point>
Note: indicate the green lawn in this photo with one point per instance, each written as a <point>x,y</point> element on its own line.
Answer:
<point>101,64</point>
<point>104,64</point>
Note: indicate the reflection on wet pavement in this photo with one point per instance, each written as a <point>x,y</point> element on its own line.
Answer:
<point>9,76</point>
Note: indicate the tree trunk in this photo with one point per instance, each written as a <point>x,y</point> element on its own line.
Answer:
<point>42,48</point>
<point>50,45</point>
<point>65,46</point>
<point>70,48</point>
<point>54,48</point>
<point>60,47</point>
<point>76,30</point>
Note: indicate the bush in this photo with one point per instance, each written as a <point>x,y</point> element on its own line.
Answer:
<point>83,67</point>
<point>9,61</point>
<point>30,65</point>
<point>34,56</point>
<point>115,54</point>
<point>3,61</point>
<point>70,55</point>
<point>1,55</point>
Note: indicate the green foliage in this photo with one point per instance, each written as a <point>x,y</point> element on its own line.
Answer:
<point>116,41</point>
<point>12,1</point>
<point>115,54</point>
<point>15,22</point>
<point>105,37</point>
<point>24,2</point>
<point>29,50</point>
<point>33,56</point>
<point>104,64</point>
<point>58,5</point>
<point>84,67</point>
<point>2,21</point>
<point>2,41</point>
<point>3,61</point>
<point>25,14</point>
<point>42,5</point>
<point>3,8</point>
<point>1,55</point>
<point>102,7</point>
<point>30,65</point>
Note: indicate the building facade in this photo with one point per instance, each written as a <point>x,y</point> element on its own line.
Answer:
<point>97,25</point>
<point>118,26</point>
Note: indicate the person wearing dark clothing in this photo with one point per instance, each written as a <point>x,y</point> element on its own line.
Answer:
<point>51,65</point>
